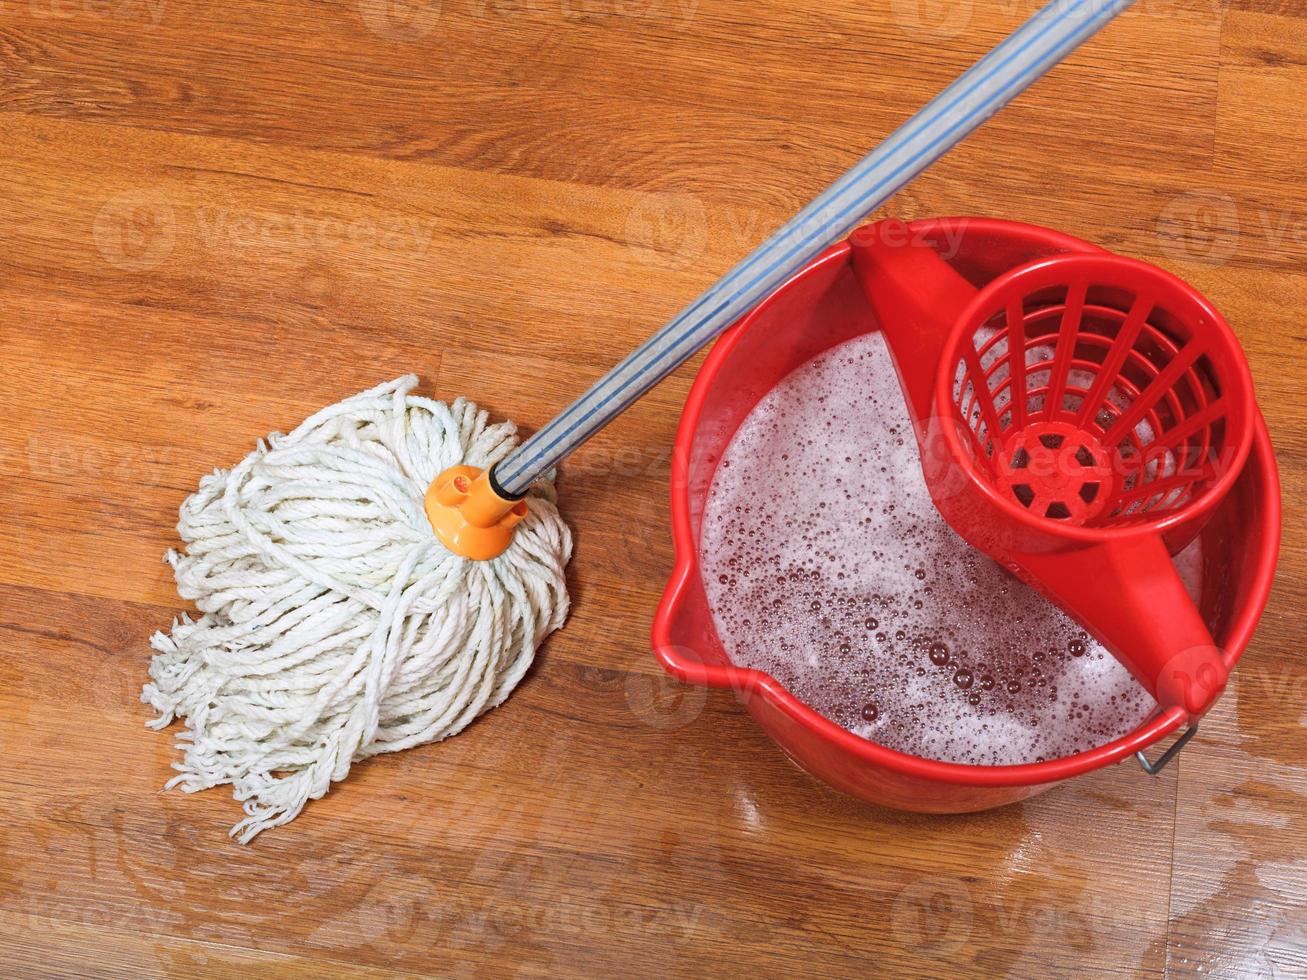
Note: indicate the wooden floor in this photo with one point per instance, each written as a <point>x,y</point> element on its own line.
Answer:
<point>215,218</point>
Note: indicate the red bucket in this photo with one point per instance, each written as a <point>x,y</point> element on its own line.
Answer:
<point>821,307</point>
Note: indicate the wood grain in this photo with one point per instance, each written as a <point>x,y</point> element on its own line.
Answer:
<point>216,218</point>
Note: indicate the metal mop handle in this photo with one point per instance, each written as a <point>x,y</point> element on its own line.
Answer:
<point>1004,73</point>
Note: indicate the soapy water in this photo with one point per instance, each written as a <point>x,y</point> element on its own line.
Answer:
<point>827,566</point>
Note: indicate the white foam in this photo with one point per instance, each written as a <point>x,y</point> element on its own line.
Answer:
<point>828,567</point>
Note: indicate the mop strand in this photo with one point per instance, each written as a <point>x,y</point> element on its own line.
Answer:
<point>334,626</point>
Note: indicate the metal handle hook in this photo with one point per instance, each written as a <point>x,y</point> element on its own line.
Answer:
<point>1153,768</point>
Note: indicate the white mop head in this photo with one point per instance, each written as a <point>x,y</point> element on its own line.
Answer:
<point>334,625</point>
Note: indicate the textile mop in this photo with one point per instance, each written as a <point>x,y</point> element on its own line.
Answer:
<point>381,576</point>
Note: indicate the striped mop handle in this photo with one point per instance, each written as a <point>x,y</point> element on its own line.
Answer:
<point>1003,74</point>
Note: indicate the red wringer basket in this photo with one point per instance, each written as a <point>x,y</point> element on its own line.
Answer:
<point>1079,418</point>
